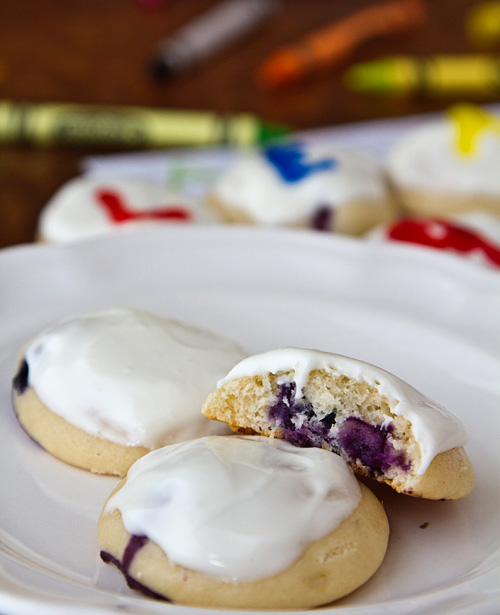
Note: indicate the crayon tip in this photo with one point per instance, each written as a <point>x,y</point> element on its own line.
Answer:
<point>161,70</point>
<point>281,69</point>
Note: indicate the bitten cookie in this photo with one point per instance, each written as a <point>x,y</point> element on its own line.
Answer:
<point>449,165</point>
<point>88,207</point>
<point>100,390</point>
<point>304,185</point>
<point>380,425</point>
<point>243,522</point>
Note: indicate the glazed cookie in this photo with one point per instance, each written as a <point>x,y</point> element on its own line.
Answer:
<point>380,425</point>
<point>304,185</point>
<point>472,234</point>
<point>100,390</point>
<point>86,207</point>
<point>449,165</point>
<point>243,522</point>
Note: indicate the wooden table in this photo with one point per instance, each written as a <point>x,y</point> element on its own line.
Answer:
<point>89,51</point>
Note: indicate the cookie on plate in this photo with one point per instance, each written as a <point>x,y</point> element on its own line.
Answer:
<point>475,235</point>
<point>87,207</point>
<point>379,424</point>
<point>449,165</point>
<point>243,522</point>
<point>300,184</point>
<point>100,390</point>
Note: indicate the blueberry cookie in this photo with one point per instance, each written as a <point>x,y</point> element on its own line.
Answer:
<point>304,185</point>
<point>474,235</point>
<point>449,165</point>
<point>100,390</point>
<point>380,425</point>
<point>243,522</point>
<point>88,207</point>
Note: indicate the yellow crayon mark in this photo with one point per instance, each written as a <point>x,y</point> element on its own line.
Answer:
<point>471,122</point>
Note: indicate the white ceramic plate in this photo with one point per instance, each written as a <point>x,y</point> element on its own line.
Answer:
<point>431,318</point>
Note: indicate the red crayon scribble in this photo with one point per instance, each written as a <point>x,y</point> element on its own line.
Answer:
<point>119,212</point>
<point>444,235</point>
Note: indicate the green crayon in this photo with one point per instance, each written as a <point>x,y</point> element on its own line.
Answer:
<point>129,127</point>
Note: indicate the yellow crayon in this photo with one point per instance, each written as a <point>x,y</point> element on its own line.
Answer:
<point>129,127</point>
<point>482,24</point>
<point>445,75</point>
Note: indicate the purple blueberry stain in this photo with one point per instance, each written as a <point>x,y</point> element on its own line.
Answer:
<point>322,218</point>
<point>358,440</point>
<point>20,380</point>
<point>296,419</point>
<point>134,545</point>
<point>370,445</point>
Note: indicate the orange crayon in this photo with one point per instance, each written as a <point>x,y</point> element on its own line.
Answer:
<point>333,44</point>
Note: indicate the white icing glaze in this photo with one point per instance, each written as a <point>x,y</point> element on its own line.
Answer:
<point>130,377</point>
<point>427,158</point>
<point>435,428</point>
<point>254,186</point>
<point>482,222</point>
<point>75,211</point>
<point>239,508</point>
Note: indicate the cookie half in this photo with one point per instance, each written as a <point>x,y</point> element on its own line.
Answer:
<point>243,522</point>
<point>379,424</point>
<point>100,390</point>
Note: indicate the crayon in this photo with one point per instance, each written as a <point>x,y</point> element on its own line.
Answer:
<point>447,75</point>
<point>129,127</point>
<point>331,45</point>
<point>208,34</point>
<point>482,24</point>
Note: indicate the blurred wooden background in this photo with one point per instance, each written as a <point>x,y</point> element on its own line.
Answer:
<point>90,51</point>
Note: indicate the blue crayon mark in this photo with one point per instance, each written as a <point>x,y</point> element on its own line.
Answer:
<point>289,161</point>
